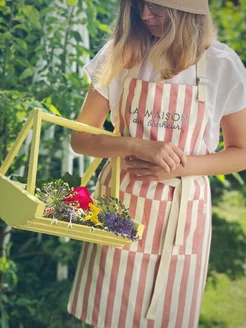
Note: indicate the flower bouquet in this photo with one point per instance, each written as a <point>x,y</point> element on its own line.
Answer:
<point>75,206</point>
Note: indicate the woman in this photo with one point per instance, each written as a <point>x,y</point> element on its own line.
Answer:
<point>169,86</point>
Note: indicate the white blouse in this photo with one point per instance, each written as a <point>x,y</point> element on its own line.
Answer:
<point>226,92</point>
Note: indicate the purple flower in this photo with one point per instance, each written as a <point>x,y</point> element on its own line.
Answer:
<point>120,225</point>
<point>73,216</point>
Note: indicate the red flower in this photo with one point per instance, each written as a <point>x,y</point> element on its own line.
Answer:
<point>79,197</point>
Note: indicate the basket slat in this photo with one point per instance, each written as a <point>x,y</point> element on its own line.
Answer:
<point>75,126</point>
<point>90,170</point>
<point>32,171</point>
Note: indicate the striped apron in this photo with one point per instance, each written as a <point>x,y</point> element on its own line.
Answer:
<point>157,282</point>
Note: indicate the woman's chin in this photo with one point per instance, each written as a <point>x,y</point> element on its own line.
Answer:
<point>158,35</point>
<point>155,31</point>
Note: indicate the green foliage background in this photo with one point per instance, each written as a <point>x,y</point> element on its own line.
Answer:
<point>35,70</point>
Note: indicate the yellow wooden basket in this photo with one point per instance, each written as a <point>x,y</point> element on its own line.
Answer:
<point>20,209</point>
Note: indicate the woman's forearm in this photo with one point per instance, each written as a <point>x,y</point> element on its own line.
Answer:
<point>157,152</point>
<point>226,161</point>
<point>101,145</point>
<point>230,160</point>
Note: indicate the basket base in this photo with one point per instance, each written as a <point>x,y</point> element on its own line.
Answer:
<point>77,232</point>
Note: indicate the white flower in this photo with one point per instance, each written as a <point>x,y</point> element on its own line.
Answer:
<point>54,221</point>
<point>72,216</point>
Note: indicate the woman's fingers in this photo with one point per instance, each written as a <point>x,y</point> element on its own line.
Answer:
<point>172,161</point>
<point>174,157</point>
<point>139,163</point>
<point>164,154</point>
<point>169,161</point>
<point>140,167</point>
<point>181,155</point>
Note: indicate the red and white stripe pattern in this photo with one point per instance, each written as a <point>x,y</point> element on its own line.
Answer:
<point>113,287</point>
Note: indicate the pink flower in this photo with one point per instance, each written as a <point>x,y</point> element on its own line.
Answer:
<point>79,197</point>
<point>48,211</point>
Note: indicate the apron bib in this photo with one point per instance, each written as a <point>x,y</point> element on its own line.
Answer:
<point>159,280</point>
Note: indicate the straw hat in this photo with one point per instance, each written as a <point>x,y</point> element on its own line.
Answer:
<point>190,6</point>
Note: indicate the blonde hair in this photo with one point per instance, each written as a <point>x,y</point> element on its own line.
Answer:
<point>181,45</point>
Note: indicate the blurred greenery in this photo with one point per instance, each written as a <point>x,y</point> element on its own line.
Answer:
<point>39,69</point>
<point>225,294</point>
<point>42,52</point>
<point>230,18</point>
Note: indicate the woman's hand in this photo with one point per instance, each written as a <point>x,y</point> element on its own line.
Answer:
<point>147,171</point>
<point>163,154</point>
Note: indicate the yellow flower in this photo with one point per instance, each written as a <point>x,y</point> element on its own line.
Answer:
<point>94,216</point>
<point>94,208</point>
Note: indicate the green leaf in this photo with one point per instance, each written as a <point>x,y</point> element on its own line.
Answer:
<point>21,27</point>
<point>73,180</point>
<point>3,22</point>
<point>21,43</point>
<point>35,104</point>
<point>77,36</point>
<point>83,51</point>
<point>5,37</point>
<point>23,301</point>
<point>21,61</point>
<point>4,265</point>
<point>48,103</point>
<point>29,71</point>
<point>72,2</point>
<point>221,178</point>
<point>238,177</point>
<point>104,28</point>
<point>33,15</point>
<point>2,3</point>
<point>53,109</point>
<point>46,10</point>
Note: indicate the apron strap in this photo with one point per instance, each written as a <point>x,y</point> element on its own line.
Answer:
<point>185,186</point>
<point>202,79</point>
<point>174,235</point>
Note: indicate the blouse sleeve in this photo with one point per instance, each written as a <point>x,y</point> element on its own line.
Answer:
<point>93,66</point>
<point>231,96</point>
<point>113,91</point>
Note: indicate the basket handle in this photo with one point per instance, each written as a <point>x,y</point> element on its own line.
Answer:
<point>115,180</point>
<point>35,120</point>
